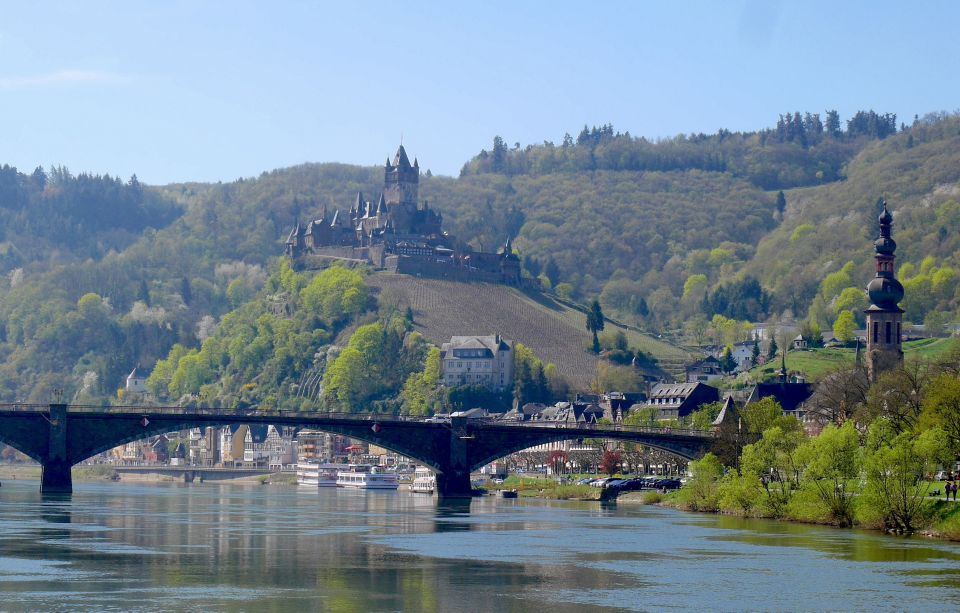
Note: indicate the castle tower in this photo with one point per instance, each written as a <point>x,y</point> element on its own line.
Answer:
<point>884,315</point>
<point>401,181</point>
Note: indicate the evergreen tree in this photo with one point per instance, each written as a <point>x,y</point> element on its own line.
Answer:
<point>185,291</point>
<point>772,350</point>
<point>832,125</point>
<point>595,323</point>
<point>781,202</point>
<point>143,293</point>
<point>755,357</point>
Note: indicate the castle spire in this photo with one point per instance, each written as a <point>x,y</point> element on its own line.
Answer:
<point>401,158</point>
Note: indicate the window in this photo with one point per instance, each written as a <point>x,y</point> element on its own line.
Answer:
<point>889,332</point>
<point>876,331</point>
<point>899,338</point>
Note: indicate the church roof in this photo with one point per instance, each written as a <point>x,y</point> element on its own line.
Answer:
<point>789,395</point>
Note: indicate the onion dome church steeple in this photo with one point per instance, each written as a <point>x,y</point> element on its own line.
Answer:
<point>884,315</point>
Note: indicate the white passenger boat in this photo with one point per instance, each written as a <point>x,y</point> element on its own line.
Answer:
<point>366,477</point>
<point>424,481</point>
<point>315,474</point>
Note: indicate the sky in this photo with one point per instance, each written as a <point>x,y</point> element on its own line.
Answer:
<point>216,90</point>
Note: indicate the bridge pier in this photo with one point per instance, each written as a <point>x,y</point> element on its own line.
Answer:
<point>454,480</point>
<point>55,477</point>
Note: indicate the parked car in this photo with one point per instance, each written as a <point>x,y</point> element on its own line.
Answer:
<point>668,484</point>
<point>613,483</point>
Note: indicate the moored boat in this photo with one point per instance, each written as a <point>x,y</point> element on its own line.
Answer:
<point>366,477</point>
<point>315,474</point>
<point>424,481</point>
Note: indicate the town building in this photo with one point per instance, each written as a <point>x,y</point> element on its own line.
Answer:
<point>398,233</point>
<point>704,371</point>
<point>884,315</point>
<point>281,448</point>
<point>477,360</point>
<point>677,400</point>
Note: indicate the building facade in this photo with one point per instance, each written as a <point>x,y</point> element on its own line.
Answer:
<point>477,360</point>
<point>676,400</point>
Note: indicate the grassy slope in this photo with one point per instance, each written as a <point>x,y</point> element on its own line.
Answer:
<point>816,363</point>
<point>554,332</point>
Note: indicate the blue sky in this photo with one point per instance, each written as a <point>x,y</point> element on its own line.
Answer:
<point>206,91</point>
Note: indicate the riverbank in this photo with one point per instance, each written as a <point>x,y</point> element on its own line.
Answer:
<point>942,521</point>
<point>548,489</point>
<point>103,472</point>
<point>13,472</point>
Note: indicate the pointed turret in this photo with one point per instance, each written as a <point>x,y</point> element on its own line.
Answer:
<point>381,206</point>
<point>358,206</point>
<point>401,160</point>
<point>416,164</point>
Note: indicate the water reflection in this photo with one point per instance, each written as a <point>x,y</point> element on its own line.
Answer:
<point>230,548</point>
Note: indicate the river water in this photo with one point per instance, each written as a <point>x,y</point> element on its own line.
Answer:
<point>209,547</point>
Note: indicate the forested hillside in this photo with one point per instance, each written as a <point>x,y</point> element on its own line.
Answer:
<point>102,274</point>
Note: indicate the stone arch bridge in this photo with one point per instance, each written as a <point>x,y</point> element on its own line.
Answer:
<point>59,436</point>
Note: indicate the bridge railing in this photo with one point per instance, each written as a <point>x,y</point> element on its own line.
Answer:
<point>211,411</point>
<point>599,428</point>
<point>138,410</point>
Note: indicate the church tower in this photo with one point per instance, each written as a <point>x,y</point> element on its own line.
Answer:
<point>884,315</point>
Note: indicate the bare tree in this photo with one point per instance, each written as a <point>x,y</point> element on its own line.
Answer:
<point>838,397</point>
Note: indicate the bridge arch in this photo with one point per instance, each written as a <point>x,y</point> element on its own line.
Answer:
<point>520,446</point>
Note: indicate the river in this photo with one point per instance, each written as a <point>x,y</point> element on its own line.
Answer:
<point>209,547</point>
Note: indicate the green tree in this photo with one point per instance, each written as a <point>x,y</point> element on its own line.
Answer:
<point>895,466</point>
<point>702,491</point>
<point>772,349</point>
<point>420,392</point>
<point>832,462</point>
<point>772,461</point>
<point>335,293</point>
<point>941,408</point>
<point>727,363</point>
<point>844,328</point>
<point>761,415</point>
<point>595,323</point>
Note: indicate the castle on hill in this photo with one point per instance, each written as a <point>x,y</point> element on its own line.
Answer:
<point>398,233</point>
